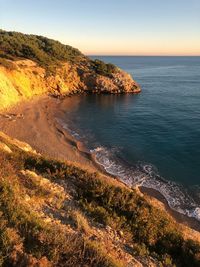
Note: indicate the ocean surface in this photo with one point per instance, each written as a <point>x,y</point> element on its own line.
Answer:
<point>151,139</point>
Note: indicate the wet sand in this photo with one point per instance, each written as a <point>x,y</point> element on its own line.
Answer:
<point>35,122</point>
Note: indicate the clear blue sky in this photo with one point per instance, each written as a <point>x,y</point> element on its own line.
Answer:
<point>133,27</point>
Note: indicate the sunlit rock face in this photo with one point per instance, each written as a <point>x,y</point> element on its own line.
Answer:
<point>119,82</point>
<point>27,79</point>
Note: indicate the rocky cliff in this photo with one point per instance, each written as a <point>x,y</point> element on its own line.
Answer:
<point>26,79</point>
<point>34,65</point>
<point>53,213</point>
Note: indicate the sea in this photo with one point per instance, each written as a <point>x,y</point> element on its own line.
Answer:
<point>151,139</point>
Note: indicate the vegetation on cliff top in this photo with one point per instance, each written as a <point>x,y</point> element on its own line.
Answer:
<point>26,236</point>
<point>46,52</point>
<point>102,68</point>
<point>38,48</point>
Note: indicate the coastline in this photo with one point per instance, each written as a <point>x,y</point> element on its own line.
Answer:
<point>46,135</point>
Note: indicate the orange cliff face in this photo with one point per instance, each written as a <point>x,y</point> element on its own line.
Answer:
<point>119,82</point>
<point>24,79</point>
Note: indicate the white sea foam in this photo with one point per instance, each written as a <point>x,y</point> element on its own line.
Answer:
<point>147,176</point>
<point>143,175</point>
<point>66,127</point>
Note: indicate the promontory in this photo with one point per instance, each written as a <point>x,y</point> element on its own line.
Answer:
<point>34,65</point>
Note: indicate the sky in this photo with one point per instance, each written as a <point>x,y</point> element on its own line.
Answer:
<point>110,27</point>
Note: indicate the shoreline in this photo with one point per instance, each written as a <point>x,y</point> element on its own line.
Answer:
<point>46,135</point>
<point>180,218</point>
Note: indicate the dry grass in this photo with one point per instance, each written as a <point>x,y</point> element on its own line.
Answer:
<point>81,222</point>
<point>26,236</point>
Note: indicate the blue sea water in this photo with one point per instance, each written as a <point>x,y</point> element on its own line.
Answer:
<point>152,138</point>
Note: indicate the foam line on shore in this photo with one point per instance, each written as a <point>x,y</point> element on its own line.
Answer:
<point>146,175</point>
<point>141,174</point>
<point>47,135</point>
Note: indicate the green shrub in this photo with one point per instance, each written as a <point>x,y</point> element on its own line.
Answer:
<point>21,226</point>
<point>36,47</point>
<point>151,230</point>
<point>46,52</point>
<point>102,68</point>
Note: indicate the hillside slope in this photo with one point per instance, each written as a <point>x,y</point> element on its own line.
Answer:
<point>55,214</point>
<point>33,65</point>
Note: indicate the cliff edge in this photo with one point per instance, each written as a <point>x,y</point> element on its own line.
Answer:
<point>53,212</point>
<point>34,65</point>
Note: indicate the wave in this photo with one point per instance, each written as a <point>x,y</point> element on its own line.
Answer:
<point>68,129</point>
<point>141,174</point>
<point>146,175</point>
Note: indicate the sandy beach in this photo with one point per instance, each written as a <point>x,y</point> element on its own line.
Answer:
<point>35,122</point>
<point>43,132</point>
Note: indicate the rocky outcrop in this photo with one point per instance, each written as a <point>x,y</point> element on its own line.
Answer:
<point>26,79</point>
<point>119,82</point>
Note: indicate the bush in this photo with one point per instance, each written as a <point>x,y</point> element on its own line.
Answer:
<point>48,53</point>
<point>102,68</point>
<point>23,229</point>
<point>44,51</point>
<point>150,230</point>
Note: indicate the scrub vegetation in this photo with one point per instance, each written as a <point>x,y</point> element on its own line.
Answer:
<point>46,52</point>
<point>50,211</point>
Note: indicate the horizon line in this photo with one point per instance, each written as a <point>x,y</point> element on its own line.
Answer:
<point>102,54</point>
<point>133,55</point>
